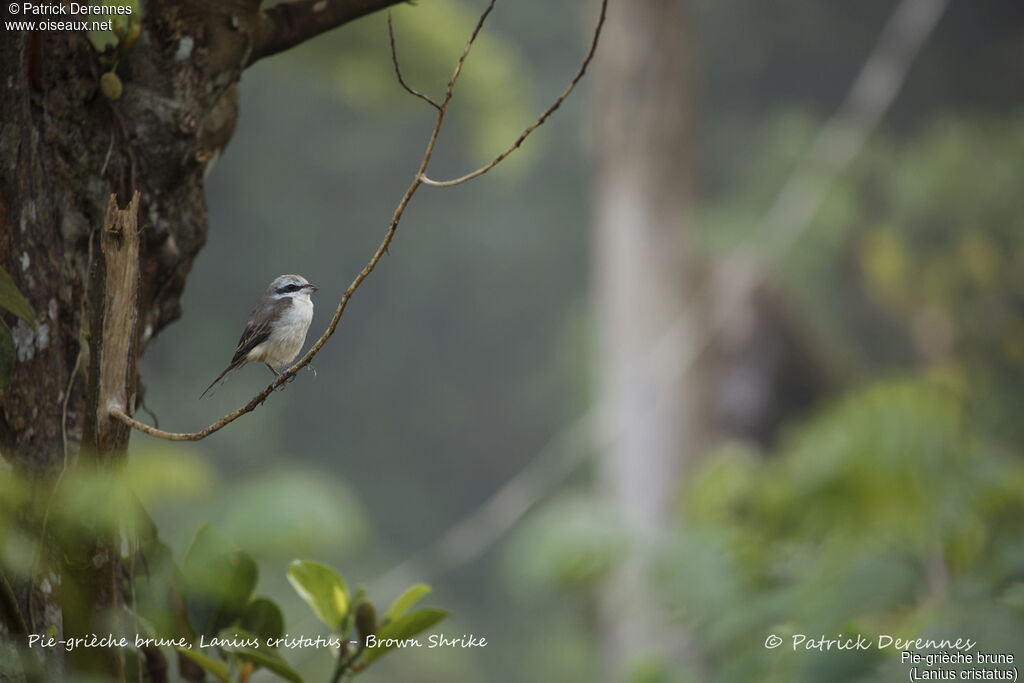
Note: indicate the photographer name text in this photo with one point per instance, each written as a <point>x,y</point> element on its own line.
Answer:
<point>883,642</point>
<point>69,9</point>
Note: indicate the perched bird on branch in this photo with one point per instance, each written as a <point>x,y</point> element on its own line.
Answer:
<point>276,328</point>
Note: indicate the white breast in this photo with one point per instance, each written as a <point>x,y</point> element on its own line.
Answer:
<point>289,333</point>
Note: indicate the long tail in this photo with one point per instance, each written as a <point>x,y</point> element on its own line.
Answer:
<point>219,378</point>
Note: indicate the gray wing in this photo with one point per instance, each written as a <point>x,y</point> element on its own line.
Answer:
<point>257,329</point>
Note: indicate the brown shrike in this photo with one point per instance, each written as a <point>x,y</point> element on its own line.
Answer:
<point>276,328</point>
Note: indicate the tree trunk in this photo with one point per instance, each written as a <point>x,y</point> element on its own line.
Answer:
<point>643,271</point>
<point>66,148</point>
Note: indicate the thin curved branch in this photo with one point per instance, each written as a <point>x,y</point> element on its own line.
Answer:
<point>398,71</point>
<point>543,117</point>
<point>120,414</point>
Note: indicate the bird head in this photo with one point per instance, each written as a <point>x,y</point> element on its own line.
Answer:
<point>289,286</point>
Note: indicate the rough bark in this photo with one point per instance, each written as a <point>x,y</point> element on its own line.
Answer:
<point>65,149</point>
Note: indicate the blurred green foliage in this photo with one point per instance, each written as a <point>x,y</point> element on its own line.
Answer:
<point>271,513</point>
<point>916,258</point>
<point>929,236</point>
<point>206,607</point>
<point>493,104</point>
<point>887,513</point>
<point>572,542</point>
<point>99,498</point>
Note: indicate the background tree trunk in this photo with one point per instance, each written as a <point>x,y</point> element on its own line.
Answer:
<point>688,350</point>
<point>642,270</point>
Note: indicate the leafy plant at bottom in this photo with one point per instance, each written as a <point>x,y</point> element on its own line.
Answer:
<point>327,594</point>
<point>218,580</point>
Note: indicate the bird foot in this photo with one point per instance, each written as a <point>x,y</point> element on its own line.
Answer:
<point>282,380</point>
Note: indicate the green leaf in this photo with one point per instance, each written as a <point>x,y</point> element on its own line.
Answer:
<point>322,588</point>
<point>366,618</point>
<point>152,586</point>
<point>219,580</point>
<point>7,354</point>
<point>263,618</point>
<point>402,628</point>
<point>270,659</point>
<point>267,657</point>
<point>217,668</point>
<point>12,300</point>
<point>350,618</point>
<point>410,597</point>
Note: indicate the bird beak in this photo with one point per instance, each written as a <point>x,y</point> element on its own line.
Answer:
<point>311,287</point>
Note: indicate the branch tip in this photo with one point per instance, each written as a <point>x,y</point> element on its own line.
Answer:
<point>541,119</point>
<point>398,71</point>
